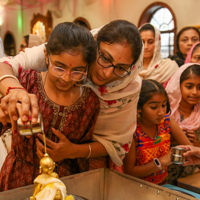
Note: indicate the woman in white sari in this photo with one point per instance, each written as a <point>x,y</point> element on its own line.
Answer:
<point>155,67</point>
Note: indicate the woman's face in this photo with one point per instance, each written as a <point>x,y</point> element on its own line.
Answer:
<point>23,45</point>
<point>196,56</point>
<point>187,39</point>
<point>118,55</point>
<point>148,39</point>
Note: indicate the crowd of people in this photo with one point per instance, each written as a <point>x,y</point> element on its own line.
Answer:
<point>107,100</point>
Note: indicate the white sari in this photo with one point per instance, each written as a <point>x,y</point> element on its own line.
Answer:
<point>159,69</point>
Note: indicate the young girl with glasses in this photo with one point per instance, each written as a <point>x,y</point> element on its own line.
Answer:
<point>65,108</point>
<point>150,152</point>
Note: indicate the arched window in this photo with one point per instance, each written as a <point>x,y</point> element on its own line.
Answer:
<point>161,16</point>
<point>83,22</point>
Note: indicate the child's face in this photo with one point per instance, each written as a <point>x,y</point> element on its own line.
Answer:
<point>154,109</point>
<point>190,90</point>
<point>71,63</point>
<point>196,56</point>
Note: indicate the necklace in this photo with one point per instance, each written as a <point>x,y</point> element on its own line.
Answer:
<point>45,77</point>
<point>72,95</point>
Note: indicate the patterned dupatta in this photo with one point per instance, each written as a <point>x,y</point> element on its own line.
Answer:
<point>116,122</point>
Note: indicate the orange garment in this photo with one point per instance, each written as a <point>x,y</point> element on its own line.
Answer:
<point>148,149</point>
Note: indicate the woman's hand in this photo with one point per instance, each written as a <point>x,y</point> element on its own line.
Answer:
<point>192,137</point>
<point>29,104</point>
<point>192,155</point>
<point>57,151</point>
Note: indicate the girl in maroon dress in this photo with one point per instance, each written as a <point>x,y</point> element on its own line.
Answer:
<point>65,107</point>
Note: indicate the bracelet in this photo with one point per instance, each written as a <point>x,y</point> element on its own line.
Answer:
<point>11,88</point>
<point>8,76</point>
<point>90,150</point>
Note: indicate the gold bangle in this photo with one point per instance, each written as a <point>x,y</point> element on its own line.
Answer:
<point>90,150</point>
<point>8,76</point>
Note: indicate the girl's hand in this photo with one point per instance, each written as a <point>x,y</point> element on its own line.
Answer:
<point>192,137</point>
<point>166,160</point>
<point>57,151</point>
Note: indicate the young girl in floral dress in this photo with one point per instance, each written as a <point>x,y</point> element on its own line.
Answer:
<point>65,107</point>
<point>150,152</point>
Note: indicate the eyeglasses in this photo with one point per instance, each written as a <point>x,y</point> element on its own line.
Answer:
<point>77,74</point>
<point>118,69</point>
<point>23,46</point>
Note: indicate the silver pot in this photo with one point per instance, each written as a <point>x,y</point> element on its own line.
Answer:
<point>177,155</point>
<point>29,128</point>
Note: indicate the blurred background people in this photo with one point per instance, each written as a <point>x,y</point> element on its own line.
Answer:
<point>194,54</point>
<point>29,41</point>
<point>185,39</point>
<point>155,67</point>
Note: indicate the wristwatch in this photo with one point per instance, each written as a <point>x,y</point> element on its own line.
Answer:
<point>157,163</point>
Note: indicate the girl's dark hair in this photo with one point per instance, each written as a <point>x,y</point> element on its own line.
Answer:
<point>192,69</point>
<point>148,89</point>
<point>178,52</point>
<point>26,37</point>
<point>73,38</point>
<point>195,48</point>
<point>122,31</point>
<point>147,27</point>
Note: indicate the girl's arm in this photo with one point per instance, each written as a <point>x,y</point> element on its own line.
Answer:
<point>145,170</point>
<point>178,133</point>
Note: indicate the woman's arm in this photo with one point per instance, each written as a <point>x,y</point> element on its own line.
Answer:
<point>178,133</point>
<point>145,170</point>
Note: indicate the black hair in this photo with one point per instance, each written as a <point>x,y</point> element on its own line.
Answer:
<point>192,69</point>
<point>148,89</point>
<point>195,48</point>
<point>122,31</point>
<point>73,38</point>
<point>147,27</point>
<point>26,37</point>
<point>178,52</point>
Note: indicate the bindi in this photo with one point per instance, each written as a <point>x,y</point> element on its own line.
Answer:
<point>70,65</point>
<point>119,57</point>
